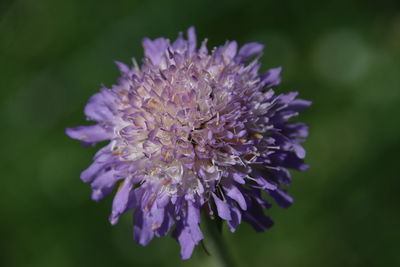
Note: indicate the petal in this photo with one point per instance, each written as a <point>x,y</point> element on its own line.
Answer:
<point>282,176</point>
<point>203,48</point>
<point>143,233</point>
<point>193,215</point>
<point>299,105</point>
<point>260,175</point>
<point>236,219</point>
<point>265,184</point>
<point>291,160</point>
<point>166,225</point>
<point>123,68</point>
<point>104,153</point>
<point>239,173</point>
<point>99,106</point>
<point>297,129</point>
<point>299,150</point>
<point>101,162</point>
<point>255,216</point>
<point>121,200</point>
<point>281,198</point>
<point>89,134</point>
<point>103,184</point>
<point>179,43</point>
<point>155,49</point>
<point>239,177</point>
<point>156,216</point>
<point>230,50</point>
<point>288,160</point>
<point>234,193</point>
<point>287,98</point>
<point>186,242</point>
<point>192,42</point>
<point>222,207</point>
<point>193,219</point>
<point>163,200</point>
<point>257,199</point>
<point>285,143</point>
<point>271,78</point>
<point>249,50</point>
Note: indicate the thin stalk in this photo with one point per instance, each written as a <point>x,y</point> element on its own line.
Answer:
<point>214,243</point>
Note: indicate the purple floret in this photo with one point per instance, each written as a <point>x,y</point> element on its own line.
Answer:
<point>192,131</point>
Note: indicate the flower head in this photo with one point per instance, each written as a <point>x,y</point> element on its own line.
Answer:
<point>190,131</point>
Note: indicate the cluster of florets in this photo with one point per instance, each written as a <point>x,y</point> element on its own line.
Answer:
<point>189,131</point>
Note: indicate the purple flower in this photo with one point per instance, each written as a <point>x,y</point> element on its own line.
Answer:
<point>190,131</point>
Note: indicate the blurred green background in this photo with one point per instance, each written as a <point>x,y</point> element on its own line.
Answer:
<point>342,55</point>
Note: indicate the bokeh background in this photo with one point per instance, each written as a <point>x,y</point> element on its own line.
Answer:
<point>343,55</point>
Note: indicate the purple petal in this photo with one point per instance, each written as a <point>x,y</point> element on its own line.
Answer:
<point>121,199</point>
<point>236,215</point>
<point>282,175</point>
<point>101,162</point>
<point>292,161</point>
<point>255,216</point>
<point>239,173</point>
<point>261,178</point>
<point>249,50</point>
<point>297,129</point>
<point>281,197</point>
<point>255,195</point>
<point>265,184</point>
<point>122,67</point>
<point>238,177</point>
<point>156,216</point>
<point>163,200</point>
<point>166,225</point>
<point>193,219</point>
<point>299,105</point>
<point>193,213</point>
<point>192,39</point>
<point>222,207</point>
<point>203,47</point>
<point>99,106</point>
<point>299,150</point>
<point>155,49</point>
<point>187,244</point>
<point>229,50</point>
<point>287,98</point>
<point>89,134</point>
<point>179,43</point>
<point>182,234</point>
<point>271,78</point>
<point>143,233</point>
<point>103,185</point>
<point>234,193</point>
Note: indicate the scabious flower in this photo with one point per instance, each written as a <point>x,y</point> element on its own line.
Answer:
<point>193,131</point>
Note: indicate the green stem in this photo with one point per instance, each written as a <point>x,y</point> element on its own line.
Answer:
<point>215,245</point>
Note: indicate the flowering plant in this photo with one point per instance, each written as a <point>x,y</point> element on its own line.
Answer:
<point>190,131</point>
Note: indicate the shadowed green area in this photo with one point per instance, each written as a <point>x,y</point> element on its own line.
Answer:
<point>342,55</point>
